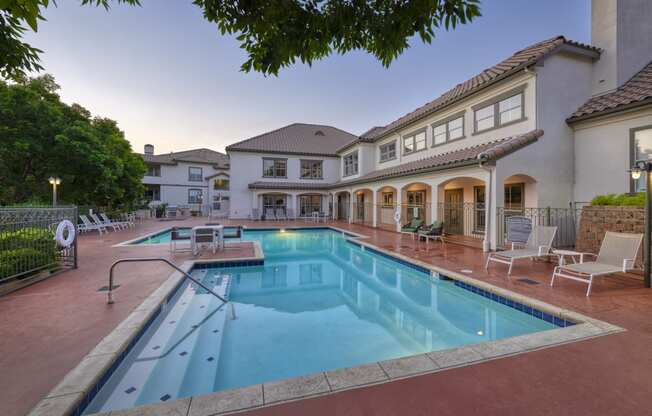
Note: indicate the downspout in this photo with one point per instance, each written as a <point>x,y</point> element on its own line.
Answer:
<point>483,159</point>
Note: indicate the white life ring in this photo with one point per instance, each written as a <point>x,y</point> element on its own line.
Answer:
<point>397,216</point>
<point>64,226</point>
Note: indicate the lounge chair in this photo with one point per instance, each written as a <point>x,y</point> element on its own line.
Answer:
<point>106,220</point>
<point>204,236</point>
<point>435,231</point>
<point>88,225</point>
<point>175,237</point>
<point>617,254</point>
<point>412,227</point>
<point>269,214</point>
<point>539,243</point>
<point>280,214</point>
<point>115,226</point>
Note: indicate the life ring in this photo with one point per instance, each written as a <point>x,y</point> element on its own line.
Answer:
<point>397,216</point>
<point>64,226</point>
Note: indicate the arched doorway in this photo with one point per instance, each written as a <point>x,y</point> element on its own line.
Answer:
<point>416,199</point>
<point>342,205</point>
<point>386,198</point>
<point>363,206</point>
<point>463,206</point>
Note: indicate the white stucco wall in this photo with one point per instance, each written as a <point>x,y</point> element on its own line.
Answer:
<point>247,167</point>
<point>602,154</point>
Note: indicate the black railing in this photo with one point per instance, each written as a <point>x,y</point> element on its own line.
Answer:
<point>27,245</point>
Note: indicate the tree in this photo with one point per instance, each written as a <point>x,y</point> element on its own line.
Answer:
<point>274,33</point>
<point>40,136</point>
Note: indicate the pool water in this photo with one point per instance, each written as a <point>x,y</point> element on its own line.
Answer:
<point>319,303</point>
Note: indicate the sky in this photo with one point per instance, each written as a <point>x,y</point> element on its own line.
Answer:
<point>170,79</point>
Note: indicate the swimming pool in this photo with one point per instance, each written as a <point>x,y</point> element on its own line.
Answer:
<point>318,303</point>
<point>164,236</point>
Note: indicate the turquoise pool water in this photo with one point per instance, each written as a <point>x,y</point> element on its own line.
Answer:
<point>318,303</point>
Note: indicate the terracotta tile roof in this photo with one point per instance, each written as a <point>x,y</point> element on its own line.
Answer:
<point>289,185</point>
<point>524,58</point>
<point>206,156</point>
<point>461,157</point>
<point>635,92</point>
<point>297,138</point>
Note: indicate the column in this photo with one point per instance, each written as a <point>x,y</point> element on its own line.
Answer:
<point>434,202</point>
<point>292,205</point>
<point>399,203</point>
<point>374,207</point>
<point>334,209</point>
<point>350,207</point>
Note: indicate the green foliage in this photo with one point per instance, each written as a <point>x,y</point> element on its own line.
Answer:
<point>16,57</point>
<point>26,249</point>
<point>42,137</point>
<point>635,200</point>
<point>274,33</point>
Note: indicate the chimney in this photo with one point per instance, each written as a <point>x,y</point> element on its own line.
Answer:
<point>149,149</point>
<point>622,29</point>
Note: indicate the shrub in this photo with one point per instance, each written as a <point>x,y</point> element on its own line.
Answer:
<point>26,249</point>
<point>633,200</point>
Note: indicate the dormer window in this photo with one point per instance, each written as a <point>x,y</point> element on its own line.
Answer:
<point>505,109</point>
<point>319,133</point>
<point>447,130</point>
<point>414,142</point>
<point>351,164</point>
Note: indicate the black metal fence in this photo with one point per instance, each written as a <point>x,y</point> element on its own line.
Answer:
<point>567,221</point>
<point>27,244</point>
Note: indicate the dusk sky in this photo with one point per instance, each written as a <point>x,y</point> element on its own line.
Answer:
<point>170,79</point>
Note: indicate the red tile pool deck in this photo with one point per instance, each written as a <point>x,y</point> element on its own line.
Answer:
<point>47,328</point>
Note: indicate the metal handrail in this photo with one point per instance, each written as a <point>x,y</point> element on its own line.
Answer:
<point>169,263</point>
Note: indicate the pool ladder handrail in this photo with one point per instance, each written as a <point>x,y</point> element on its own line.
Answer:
<point>169,263</point>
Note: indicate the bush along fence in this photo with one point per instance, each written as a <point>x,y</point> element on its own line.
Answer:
<point>28,250</point>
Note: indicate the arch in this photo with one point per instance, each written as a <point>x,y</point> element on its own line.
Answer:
<point>363,206</point>
<point>462,205</point>
<point>312,201</point>
<point>342,205</point>
<point>519,193</point>
<point>416,200</point>
<point>386,201</point>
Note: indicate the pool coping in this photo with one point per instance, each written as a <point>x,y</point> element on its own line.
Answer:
<point>68,396</point>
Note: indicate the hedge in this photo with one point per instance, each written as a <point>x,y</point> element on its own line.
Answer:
<point>26,249</point>
<point>631,200</point>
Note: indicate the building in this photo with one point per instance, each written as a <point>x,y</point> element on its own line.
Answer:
<point>556,123</point>
<point>195,179</point>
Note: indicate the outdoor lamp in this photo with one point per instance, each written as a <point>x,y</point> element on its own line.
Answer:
<point>636,173</point>
<point>54,181</point>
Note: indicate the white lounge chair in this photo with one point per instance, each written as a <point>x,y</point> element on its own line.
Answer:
<point>269,214</point>
<point>88,225</point>
<point>617,254</point>
<point>280,214</point>
<point>106,220</point>
<point>116,227</point>
<point>539,243</point>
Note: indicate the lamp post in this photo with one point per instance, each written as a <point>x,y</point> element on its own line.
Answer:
<point>640,167</point>
<point>54,181</point>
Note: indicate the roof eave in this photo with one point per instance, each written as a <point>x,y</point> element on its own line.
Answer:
<point>614,110</point>
<point>278,152</point>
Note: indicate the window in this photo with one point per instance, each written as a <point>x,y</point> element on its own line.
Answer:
<point>388,151</point>
<point>500,112</point>
<point>195,196</point>
<point>448,130</point>
<point>311,169</point>
<point>153,192</point>
<point>351,164</point>
<point>195,174</point>
<point>514,200</point>
<point>414,142</point>
<point>153,170</point>
<point>275,168</point>
<point>388,199</point>
<point>484,118</point>
<point>220,184</point>
<point>641,139</point>
<point>309,204</point>
<point>273,201</point>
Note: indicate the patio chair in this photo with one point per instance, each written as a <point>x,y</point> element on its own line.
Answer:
<point>87,225</point>
<point>269,214</point>
<point>129,218</point>
<point>115,226</point>
<point>435,231</point>
<point>175,237</point>
<point>280,214</point>
<point>255,214</point>
<point>539,243</point>
<point>617,254</point>
<point>106,220</point>
<point>412,227</point>
<point>204,236</point>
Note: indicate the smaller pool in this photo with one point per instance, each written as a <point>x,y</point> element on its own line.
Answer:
<point>163,237</point>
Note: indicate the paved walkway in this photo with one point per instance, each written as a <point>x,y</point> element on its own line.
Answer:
<point>47,328</point>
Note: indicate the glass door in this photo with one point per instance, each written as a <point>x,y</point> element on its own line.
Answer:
<point>454,211</point>
<point>416,205</point>
<point>479,209</point>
